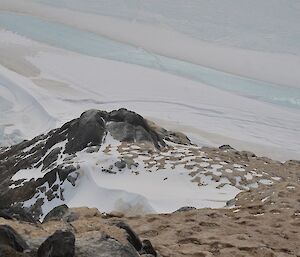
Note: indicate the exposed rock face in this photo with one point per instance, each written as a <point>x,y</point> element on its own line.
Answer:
<point>44,152</point>
<point>60,244</point>
<point>130,127</point>
<point>88,130</point>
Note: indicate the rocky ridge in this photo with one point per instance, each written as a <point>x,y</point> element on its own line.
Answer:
<point>42,173</point>
<point>45,152</point>
<point>260,195</point>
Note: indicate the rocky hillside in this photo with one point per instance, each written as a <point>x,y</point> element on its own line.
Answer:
<point>38,172</point>
<point>264,223</point>
<point>140,177</point>
<point>118,161</point>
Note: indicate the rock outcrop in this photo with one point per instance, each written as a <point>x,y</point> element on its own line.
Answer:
<point>60,244</point>
<point>43,152</point>
<point>91,234</point>
<point>11,243</point>
<point>39,177</point>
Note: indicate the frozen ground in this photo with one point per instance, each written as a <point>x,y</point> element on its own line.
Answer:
<point>250,54</point>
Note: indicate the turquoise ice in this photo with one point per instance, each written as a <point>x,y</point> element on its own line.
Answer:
<point>87,43</point>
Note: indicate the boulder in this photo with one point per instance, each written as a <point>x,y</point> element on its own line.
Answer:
<point>105,247</point>
<point>87,130</point>
<point>125,132</point>
<point>132,237</point>
<point>120,164</point>
<point>135,127</point>
<point>71,217</point>
<point>57,213</point>
<point>185,208</point>
<point>124,115</point>
<point>10,238</point>
<point>60,244</point>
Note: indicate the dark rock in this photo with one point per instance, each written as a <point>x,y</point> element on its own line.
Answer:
<point>55,188</point>
<point>230,203</point>
<point>42,189</point>
<point>51,157</point>
<point>177,138</point>
<point>124,115</point>
<point>57,213</point>
<point>105,247</point>
<point>130,162</point>
<point>18,213</point>
<point>108,171</point>
<point>120,164</point>
<point>72,178</point>
<point>185,208</point>
<point>226,147</point>
<point>142,130</point>
<point>125,132</point>
<point>7,251</point>
<point>148,248</point>
<point>4,213</point>
<point>49,194</point>
<point>60,244</point>
<point>70,217</point>
<point>132,237</point>
<point>9,237</point>
<point>68,168</point>
<point>88,130</point>
<point>92,149</point>
<point>36,208</point>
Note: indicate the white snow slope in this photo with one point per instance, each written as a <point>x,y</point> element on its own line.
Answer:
<point>161,182</point>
